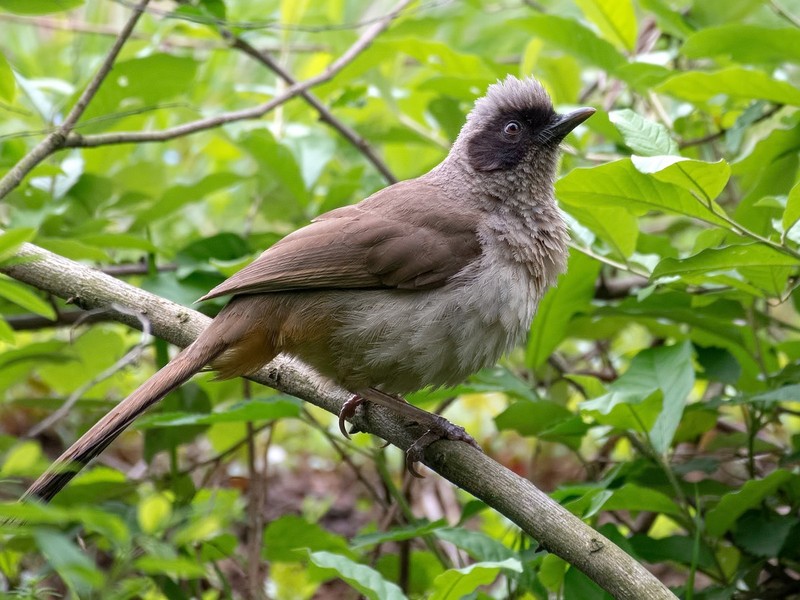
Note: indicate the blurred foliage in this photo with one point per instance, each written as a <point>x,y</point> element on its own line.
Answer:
<point>658,397</point>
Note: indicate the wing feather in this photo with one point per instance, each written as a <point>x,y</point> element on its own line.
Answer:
<point>385,241</point>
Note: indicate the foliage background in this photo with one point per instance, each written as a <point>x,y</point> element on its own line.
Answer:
<point>657,396</point>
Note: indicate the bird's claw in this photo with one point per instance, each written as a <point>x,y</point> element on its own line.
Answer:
<point>347,412</point>
<point>440,429</point>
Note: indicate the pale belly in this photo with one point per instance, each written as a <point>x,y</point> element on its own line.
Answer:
<point>404,341</point>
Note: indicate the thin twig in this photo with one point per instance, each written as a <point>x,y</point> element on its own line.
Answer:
<point>130,357</point>
<point>75,140</point>
<point>324,113</point>
<point>56,139</point>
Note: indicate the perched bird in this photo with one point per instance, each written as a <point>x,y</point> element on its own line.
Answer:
<point>422,284</point>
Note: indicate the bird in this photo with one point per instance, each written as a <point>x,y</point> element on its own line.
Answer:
<point>419,285</point>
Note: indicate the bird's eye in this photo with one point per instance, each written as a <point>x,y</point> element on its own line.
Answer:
<point>512,128</point>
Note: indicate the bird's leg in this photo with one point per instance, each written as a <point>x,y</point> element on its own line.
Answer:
<point>438,427</point>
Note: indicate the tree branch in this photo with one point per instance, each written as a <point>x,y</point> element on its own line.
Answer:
<point>554,527</point>
<point>325,114</point>
<point>56,140</point>
<point>75,140</point>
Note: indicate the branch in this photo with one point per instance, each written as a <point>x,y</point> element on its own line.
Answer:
<point>326,116</point>
<point>56,140</point>
<point>75,140</point>
<point>555,528</point>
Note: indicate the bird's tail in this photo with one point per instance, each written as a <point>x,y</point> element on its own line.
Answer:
<point>93,442</point>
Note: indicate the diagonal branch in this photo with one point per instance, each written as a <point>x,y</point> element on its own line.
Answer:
<point>75,140</point>
<point>550,524</point>
<point>325,114</point>
<point>56,140</point>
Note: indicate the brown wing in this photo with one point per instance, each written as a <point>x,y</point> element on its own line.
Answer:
<point>406,236</point>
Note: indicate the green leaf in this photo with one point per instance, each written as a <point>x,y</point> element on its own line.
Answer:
<point>619,184</point>
<point>154,512</point>
<point>664,372</point>
<point>276,164</point>
<point>22,296</point>
<point>763,534</point>
<point>705,179</point>
<point>733,504</point>
<point>641,135</point>
<point>635,498</point>
<point>477,544</point>
<point>361,577</point>
<point>531,418</point>
<point>570,36</point>
<point>455,584</point>
<point>397,534</point>
<point>615,19</point>
<point>286,536</point>
<point>735,82</point>
<point>752,44</point>
<point>70,562</point>
<point>173,566</point>
<point>792,212</point>
<point>618,227</point>
<point>21,459</point>
<point>573,294</point>
<point>252,410</point>
<point>722,259</point>
<point>13,239</point>
<point>8,85</point>
<point>38,7</point>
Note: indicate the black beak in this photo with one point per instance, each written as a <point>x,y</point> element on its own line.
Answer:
<point>563,124</point>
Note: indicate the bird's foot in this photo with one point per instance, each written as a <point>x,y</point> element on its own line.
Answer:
<point>440,429</point>
<point>348,412</point>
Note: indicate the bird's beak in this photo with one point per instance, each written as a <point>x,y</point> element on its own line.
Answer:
<point>566,123</point>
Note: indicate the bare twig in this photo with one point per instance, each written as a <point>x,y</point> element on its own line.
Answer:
<point>55,140</point>
<point>173,41</point>
<point>324,113</point>
<point>75,140</point>
<point>130,357</point>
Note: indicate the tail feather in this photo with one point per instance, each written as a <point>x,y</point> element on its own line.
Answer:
<point>105,431</point>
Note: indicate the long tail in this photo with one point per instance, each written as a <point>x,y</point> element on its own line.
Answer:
<point>105,431</point>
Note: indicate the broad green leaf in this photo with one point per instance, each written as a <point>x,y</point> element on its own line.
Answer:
<point>634,498</point>
<point>722,259</point>
<point>570,36</point>
<point>253,410</point>
<point>733,504</point>
<point>573,293</point>
<point>705,179</point>
<point>788,393</point>
<point>8,85</point>
<point>792,212</point>
<point>620,184</point>
<point>763,533</point>
<point>641,135</point>
<point>678,549</point>
<point>22,296</point>
<point>531,418</point>
<point>286,538</point>
<point>361,577</point>
<point>477,544</point>
<point>455,584</point>
<point>397,534</point>
<point>21,459</point>
<point>615,19</point>
<point>735,82</point>
<point>669,19</point>
<point>616,226</point>
<point>13,239</point>
<point>276,164</point>
<point>38,7</point>
<point>745,43</point>
<point>664,372</point>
